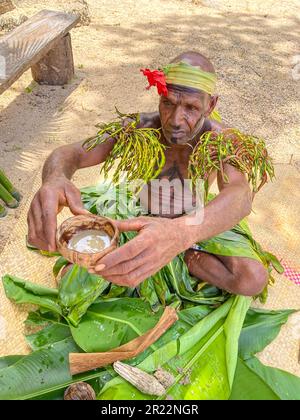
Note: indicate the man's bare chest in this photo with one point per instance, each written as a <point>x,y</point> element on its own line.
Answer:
<point>176,166</point>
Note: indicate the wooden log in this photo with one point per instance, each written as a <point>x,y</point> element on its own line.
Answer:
<point>57,67</point>
<point>6,6</point>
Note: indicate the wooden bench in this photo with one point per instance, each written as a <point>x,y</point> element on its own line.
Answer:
<point>43,43</point>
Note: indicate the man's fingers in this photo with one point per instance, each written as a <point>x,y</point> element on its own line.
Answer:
<point>126,267</point>
<point>50,224</point>
<point>36,236</point>
<point>74,202</point>
<point>33,238</point>
<point>134,278</point>
<point>135,224</point>
<point>36,219</point>
<point>125,253</point>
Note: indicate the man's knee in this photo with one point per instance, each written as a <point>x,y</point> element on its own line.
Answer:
<point>249,278</point>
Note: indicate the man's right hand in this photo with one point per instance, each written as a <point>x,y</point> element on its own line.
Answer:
<point>47,203</point>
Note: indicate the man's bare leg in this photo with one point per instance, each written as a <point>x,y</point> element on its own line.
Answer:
<point>238,275</point>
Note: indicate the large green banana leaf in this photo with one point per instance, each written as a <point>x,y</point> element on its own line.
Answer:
<point>109,324</point>
<point>77,291</point>
<point>43,374</point>
<point>232,330</point>
<point>248,386</point>
<point>200,373</point>
<point>254,381</point>
<point>21,291</point>
<point>7,361</point>
<point>49,335</point>
<point>38,372</point>
<point>209,351</point>
<point>199,354</point>
<point>260,328</point>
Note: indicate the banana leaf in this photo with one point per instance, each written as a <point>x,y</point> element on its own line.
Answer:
<point>115,291</point>
<point>232,330</point>
<point>44,374</point>
<point>254,381</point>
<point>49,335</point>
<point>21,291</point>
<point>109,324</point>
<point>59,264</point>
<point>77,291</point>
<point>37,373</point>
<point>260,328</point>
<point>199,355</point>
<point>177,277</point>
<point>199,374</point>
<point>7,361</point>
<point>147,291</point>
<point>43,318</point>
<point>248,386</point>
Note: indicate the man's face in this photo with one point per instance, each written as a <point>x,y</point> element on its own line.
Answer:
<point>182,114</point>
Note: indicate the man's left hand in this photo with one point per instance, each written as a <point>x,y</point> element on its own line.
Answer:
<point>158,241</point>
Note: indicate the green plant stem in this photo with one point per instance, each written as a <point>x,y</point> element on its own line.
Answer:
<point>8,199</point>
<point>3,211</point>
<point>9,186</point>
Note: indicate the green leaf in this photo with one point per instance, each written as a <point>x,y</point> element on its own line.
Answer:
<point>177,276</point>
<point>285,385</point>
<point>77,291</point>
<point>193,315</point>
<point>254,381</point>
<point>21,291</point>
<point>199,374</point>
<point>248,386</point>
<point>147,292</point>
<point>7,361</point>
<point>199,353</point>
<point>59,264</point>
<point>44,318</point>
<point>37,373</point>
<point>270,258</point>
<point>187,318</point>
<point>260,328</point>
<point>232,330</point>
<point>114,322</point>
<point>49,335</point>
<point>189,339</point>
<point>210,364</point>
<point>44,374</point>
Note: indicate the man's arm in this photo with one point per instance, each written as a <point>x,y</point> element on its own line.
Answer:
<point>58,191</point>
<point>160,240</point>
<point>231,205</point>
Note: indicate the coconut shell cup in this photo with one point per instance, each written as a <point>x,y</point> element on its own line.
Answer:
<point>76,224</point>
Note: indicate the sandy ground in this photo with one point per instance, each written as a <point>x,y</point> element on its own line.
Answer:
<point>252,44</point>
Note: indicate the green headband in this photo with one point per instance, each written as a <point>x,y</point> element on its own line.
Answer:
<point>185,74</point>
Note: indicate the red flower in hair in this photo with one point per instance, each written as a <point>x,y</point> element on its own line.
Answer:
<point>156,78</point>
